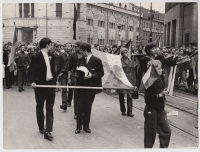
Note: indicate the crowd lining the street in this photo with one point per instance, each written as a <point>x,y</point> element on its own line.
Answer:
<point>184,79</point>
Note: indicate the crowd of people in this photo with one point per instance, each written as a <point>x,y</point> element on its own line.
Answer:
<point>186,78</point>
<point>48,63</point>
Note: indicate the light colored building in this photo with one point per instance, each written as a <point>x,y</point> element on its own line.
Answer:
<point>97,22</point>
<point>180,24</point>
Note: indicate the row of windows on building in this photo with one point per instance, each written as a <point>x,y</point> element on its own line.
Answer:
<point>100,41</point>
<point>110,25</point>
<point>27,10</point>
<point>125,7</point>
<point>154,26</point>
<point>145,35</point>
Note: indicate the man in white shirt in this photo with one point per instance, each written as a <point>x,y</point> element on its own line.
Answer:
<point>42,72</point>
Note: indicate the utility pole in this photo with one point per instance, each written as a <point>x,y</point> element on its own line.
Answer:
<point>150,38</point>
<point>140,25</point>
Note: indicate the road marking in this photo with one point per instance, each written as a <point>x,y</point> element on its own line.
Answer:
<point>187,99</point>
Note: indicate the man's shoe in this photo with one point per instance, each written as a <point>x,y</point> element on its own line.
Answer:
<point>68,105</point>
<point>42,131</point>
<point>7,87</point>
<point>87,129</point>
<point>75,116</point>
<point>78,130</point>
<point>48,136</point>
<point>64,107</point>
<point>130,114</point>
<point>20,90</point>
<point>123,114</point>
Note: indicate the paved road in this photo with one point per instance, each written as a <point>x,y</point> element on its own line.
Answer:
<point>110,130</point>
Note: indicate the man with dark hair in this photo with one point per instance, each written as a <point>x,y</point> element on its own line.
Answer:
<point>42,72</point>
<point>151,54</point>
<point>72,75</point>
<point>92,78</point>
<point>114,48</point>
<point>22,60</point>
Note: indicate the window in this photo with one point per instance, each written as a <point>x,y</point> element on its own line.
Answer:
<point>32,10</point>
<point>131,28</point>
<point>101,41</point>
<point>101,24</point>
<point>143,35</point>
<point>143,24</point>
<point>125,6</point>
<point>58,9</point>
<point>90,22</point>
<point>26,10</point>
<point>132,8</point>
<point>79,11</point>
<point>146,25</point>
<point>111,42</point>
<point>123,28</point>
<point>20,10</point>
<point>120,5</point>
<point>112,25</point>
<point>89,40</point>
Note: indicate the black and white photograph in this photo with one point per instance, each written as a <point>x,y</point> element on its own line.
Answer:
<point>96,75</point>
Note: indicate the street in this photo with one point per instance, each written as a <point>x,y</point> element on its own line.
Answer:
<point>110,130</point>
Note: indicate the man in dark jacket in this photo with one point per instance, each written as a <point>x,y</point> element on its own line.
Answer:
<point>151,55</point>
<point>92,79</point>
<point>62,71</point>
<point>22,60</point>
<point>154,113</point>
<point>42,72</point>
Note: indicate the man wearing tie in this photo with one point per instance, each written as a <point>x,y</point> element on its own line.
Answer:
<point>93,79</point>
<point>42,72</point>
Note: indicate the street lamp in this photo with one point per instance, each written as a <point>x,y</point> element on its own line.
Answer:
<point>119,26</point>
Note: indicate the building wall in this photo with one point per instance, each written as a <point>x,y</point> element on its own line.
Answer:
<point>46,24</point>
<point>186,16</point>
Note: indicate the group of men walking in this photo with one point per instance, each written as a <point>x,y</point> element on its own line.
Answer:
<point>45,69</point>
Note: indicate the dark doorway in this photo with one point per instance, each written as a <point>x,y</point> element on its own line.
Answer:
<point>27,34</point>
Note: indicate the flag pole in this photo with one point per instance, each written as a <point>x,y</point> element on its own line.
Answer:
<point>80,87</point>
<point>172,83</point>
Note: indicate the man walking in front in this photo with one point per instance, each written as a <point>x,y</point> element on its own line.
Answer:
<point>93,79</point>
<point>42,72</point>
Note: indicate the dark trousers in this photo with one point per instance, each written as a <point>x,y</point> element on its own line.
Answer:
<point>156,122</point>
<point>84,108</point>
<point>66,95</point>
<point>8,77</point>
<point>122,104</point>
<point>42,94</point>
<point>21,72</point>
<point>190,79</point>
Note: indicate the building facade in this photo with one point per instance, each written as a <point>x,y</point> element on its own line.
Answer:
<point>97,22</point>
<point>180,24</point>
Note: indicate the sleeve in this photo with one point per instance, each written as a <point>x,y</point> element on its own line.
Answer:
<point>70,63</point>
<point>166,61</point>
<point>60,64</point>
<point>99,73</point>
<point>31,71</point>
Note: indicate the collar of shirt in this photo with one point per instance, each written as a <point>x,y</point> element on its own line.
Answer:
<point>88,58</point>
<point>44,52</point>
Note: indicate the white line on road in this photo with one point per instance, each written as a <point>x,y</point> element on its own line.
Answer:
<point>187,99</point>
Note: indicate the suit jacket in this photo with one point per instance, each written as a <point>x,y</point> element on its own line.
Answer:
<point>73,61</point>
<point>143,66</point>
<point>37,69</point>
<point>63,63</point>
<point>95,67</point>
